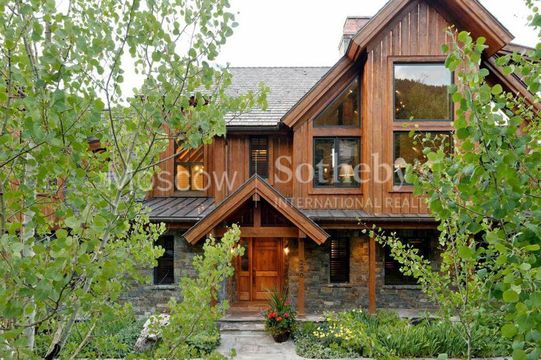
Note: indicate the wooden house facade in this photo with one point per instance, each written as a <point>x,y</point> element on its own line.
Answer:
<point>322,163</point>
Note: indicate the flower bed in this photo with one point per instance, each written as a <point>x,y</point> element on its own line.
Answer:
<point>355,333</point>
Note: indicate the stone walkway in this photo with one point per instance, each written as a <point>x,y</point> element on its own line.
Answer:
<point>255,345</point>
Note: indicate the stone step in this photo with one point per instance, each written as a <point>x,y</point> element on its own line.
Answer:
<point>228,325</point>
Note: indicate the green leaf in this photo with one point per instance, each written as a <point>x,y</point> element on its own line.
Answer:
<point>497,89</point>
<point>510,296</point>
<point>509,330</point>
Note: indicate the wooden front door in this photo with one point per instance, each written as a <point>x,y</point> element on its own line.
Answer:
<point>259,270</point>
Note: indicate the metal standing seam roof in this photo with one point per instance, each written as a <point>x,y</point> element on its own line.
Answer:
<point>287,85</point>
<point>359,215</point>
<point>179,209</point>
<point>193,209</point>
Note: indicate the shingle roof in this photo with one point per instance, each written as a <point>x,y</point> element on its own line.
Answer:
<point>287,85</point>
<point>182,209</point>
<point>360,215</point>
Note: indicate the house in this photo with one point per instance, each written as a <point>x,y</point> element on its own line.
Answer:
<point>322,163</point>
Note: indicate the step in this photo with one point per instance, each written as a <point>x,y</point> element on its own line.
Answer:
<point>242,325</point>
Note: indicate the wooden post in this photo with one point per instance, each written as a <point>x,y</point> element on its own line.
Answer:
<point>300,296</point>
<point>372,276</point>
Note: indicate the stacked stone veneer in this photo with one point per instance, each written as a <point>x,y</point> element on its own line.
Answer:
<point>320,294</point>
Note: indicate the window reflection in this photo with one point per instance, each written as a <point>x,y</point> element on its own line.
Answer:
<point>344,111</point>
<point>421,92</point>
<point>336,162</point>
<point>408,149</point>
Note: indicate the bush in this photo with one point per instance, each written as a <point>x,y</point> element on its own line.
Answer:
<point>384,335</point>
<point>112,336</point>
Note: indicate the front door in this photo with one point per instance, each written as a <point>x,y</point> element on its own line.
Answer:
<point>259,270</point>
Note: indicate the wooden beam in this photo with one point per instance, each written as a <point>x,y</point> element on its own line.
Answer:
<point>265,231</point>
<point>372,276</point>
<point>300,295</point>
<point>257,214</point>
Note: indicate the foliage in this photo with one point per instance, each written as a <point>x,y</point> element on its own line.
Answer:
<point>420,101</point>
<point>192,330</point>
<point>355,333</point>
<point>487,197</point>
<point>108,336</point>
<point>72,229</point>
<point>280,317</point>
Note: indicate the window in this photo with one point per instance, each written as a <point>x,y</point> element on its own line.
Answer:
<point>164,271</point>
<point>344,111</point>
<point>259,156</point>
<point>339,261</point>
<point>336,162</point>
<point>419,239</point>
<point>408,149</point>
<point>421,93</point>
<point>189,169</point>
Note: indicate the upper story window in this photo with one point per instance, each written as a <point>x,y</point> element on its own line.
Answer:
<point>189,169</point>
<point>339,260</point>
<point>336,162</point>
<point>259,156</point>
<point>421,92</point>
<point>164,271</point>
<point>408,149</point>
<point>343,111</point>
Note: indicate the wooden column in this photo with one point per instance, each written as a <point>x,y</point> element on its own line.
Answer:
<point>300,295</point>
<point>372,276</point>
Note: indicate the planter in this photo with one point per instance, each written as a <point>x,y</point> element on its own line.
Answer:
<point>281,337</point>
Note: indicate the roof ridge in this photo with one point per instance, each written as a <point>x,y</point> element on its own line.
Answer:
<point>280,67</point>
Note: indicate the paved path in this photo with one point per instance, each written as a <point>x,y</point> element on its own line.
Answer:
<point>255,345</point>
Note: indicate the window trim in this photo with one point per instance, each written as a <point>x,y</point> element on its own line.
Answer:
<point>354,185</point>
<point>419,62</point>
<point>407,187</point>
<point>155,269</point>
<point>342,92</point>
<point>347,260</point>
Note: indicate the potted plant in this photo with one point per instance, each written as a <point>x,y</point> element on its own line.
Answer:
<point>280,317</point>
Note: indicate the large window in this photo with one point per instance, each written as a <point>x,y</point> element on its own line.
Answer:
<point>421,92</point>
<point>164,271</point>
<point>259,156</point>
<point>336,162</point>
<point>189,169</point>
<point>422,240</point>
<point>344,111</point>
<point>408,149</point>
<point>339,261</point>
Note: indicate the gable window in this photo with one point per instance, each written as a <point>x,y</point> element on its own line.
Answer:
<point>344,111</point>
<point>336,162</point>
<point>409,149</point>
<point>339,261</point>
<point>189,169</point>
<point>421,92</point>
<point>259,156</point>
<point>421,240</point>
<point>164,271</point>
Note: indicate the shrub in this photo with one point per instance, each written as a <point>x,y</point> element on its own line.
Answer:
<point>111,337</point>
<point>384,335</point>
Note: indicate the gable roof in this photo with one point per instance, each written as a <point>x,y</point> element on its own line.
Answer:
<point>468,14</point>
<point>286,86</point>
<point>255,185</point>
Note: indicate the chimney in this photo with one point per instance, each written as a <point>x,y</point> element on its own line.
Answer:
<point>352,25</point>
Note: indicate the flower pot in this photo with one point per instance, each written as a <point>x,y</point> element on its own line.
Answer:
<point>281,337</point>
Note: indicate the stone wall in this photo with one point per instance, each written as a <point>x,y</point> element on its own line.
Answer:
<point>321,295</point>
<point>148,299</point>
